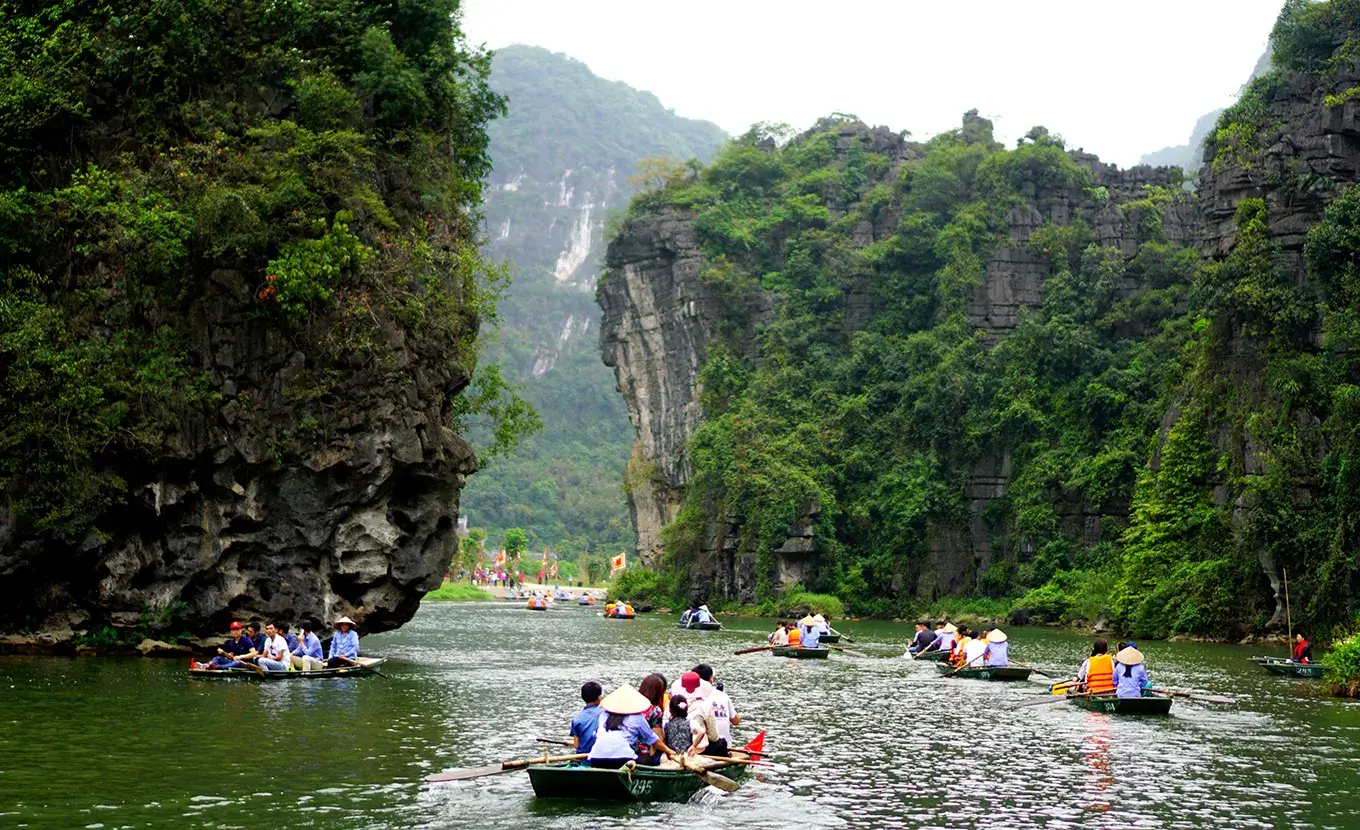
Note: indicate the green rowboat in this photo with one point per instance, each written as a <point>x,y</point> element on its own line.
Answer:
<point>708,626</point>
<point>986,673</point>
<point>801,653</point>
<point>1289,668</point>
<point>1110,705</point>
<point>318,674</point>
<point>638,784</point>
<point>830,638</point>
<point>933,656</point>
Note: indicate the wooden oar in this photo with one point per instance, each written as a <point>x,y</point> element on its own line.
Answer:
<point>845,637</point>
<point>1191,696</point>
<point>496,769</point>
<point>366,667</point>
<point>712,779</point>
<point>846,650</point>
<point>555,742</point>
<point>1031,668</point>
<point>965,665</point>
<point>1047,699</point>
<point>754,650</point>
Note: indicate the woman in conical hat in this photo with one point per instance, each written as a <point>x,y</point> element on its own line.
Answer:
<point>998,649</point>
<point>1130,675</point>
<point>622,729</point>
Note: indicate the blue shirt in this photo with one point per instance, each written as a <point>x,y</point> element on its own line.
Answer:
<point>583,727</point>
<point>237,647</point>
<point>291,639</point>
<point>257,642</point>
<point>811,637</point>
<point>620,743</point>
<point>1131,686</point>
<point>345,645</point>
<point>310,646</point>
<point>998,654</point>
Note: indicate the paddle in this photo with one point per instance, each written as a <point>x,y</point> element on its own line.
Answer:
<point>845,637</point>
<point>1031,668</point>
<point>1047,699</point>
<point>846,650</point>
<point>1191,696</point>
<point>555,742</point>
<point>966,665</point>
<point>365,667</point>
<point>496,769</point>
<point>712,779</point>
<point>754,650</point>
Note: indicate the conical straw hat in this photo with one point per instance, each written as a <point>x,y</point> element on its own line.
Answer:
<point>625,700</point>
<point>808,620</point>
<point>951,628</point>
<point>996,635</point>
<point>1130,657</point>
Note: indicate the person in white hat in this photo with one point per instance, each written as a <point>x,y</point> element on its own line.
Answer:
<point>823,628</point>
<point>622,730</point>
<point>944,637</point>
<point>998,649</point>
<point>811,634</point>
<point>344,645</point>
<point>1130,674</point>
<point>703,615</point>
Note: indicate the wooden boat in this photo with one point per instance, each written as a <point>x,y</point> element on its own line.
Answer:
<point>986,672</point>
<point>830,638</point>
<point>1288,668</point>
<point>933,656</point>
<point>694,626</point>
<point>662,783</point>
<point>537,607</point>
<point>801,653</point>
<point>619,616</point>
<point>251,674</point>
<point>1111,705</point>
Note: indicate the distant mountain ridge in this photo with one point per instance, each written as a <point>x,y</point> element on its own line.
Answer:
<point>562,158</point>
<point>1190,156</point>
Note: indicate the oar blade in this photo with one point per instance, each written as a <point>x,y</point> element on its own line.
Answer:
<point>1041,701</point>
<point>722,782</point>
<point>465,774</point>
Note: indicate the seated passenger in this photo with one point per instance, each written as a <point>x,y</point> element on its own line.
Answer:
<point>795,636</point>
<point>703,615</point>
<point>707,737</point>
<point>998,649</point>
<point>1131,676</point>
<point>621,729</point>
<point>308,655</point>
<point>1096,675</point>
<point>780,635</point>
<point>587,720</point>
<point>275,655</point>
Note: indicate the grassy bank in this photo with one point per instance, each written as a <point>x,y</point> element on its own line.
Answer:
<point>459,592</point>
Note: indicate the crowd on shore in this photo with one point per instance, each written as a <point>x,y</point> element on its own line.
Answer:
<point>276,648</point>
<point>693,716</point>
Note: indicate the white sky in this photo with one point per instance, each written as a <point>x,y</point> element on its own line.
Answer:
<point>1118,77</point>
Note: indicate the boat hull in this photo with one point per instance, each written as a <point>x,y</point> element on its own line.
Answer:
<point>538,608</point>
<point>581,783</point>
<point>801,653</point>
<point>830,638</point>
<point>319,674</point>
<point>1109,705</point>
<point>708,626</point>
<point>1289,668</point>
<point>986,672</point>
<point>933,656</point>
<point>619,616</point>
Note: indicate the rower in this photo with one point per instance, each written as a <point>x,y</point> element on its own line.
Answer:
<point>780,635</point>
<point>703,615</point>
<point>1303,650</point>
<point>823,628</point>
<point>998,649</point>
<point>1096,675</point>
<point>344,645</point>
<point>230,654</point>
<point>811,634</point>
<point>1131,676</point>
<point>944,637</point>
<point>921,642</point>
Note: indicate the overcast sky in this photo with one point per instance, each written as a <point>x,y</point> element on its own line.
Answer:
<point>1118,77</point>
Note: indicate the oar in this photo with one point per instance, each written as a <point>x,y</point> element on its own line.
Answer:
<point>754,650</point>
<point>845,637</point>
<point>712,779</point>
<point>965,665</point>
<point>1031,668</point>
<point>496,769</point>
<point>555,742</point>
<point>846,651</point>
<point>1047,699</point>
<point>1191,696</point>
<point>357,664</point>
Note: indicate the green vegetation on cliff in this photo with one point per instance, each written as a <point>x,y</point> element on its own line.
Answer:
<point>322,161</point>
<point>869,402</point>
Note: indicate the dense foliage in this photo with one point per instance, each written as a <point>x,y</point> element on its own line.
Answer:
<point>327,156</point>
<point>1200,414</point>
<point>563,485</point>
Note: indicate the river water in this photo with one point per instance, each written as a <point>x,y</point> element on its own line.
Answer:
<point>865,743</point>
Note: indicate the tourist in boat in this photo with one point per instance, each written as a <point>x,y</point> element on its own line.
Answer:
<point>945,634</point>
<point>1303,650</point>
<point>275,655</point>
<point>609,609</point>
<point>795,636</point>
<point>1096,675</point>
<point>810,634</point>
<point>974,650</point>
<point>288,636</point>
<point>724,713</point>
<point>823,627</point>
<point>689,614</point>
<point>703,615</point>
<point>344,645</point>
<point>997,649</point>
<point>653,687</point>
<point>921,642</point>
<point>233,652</point>
<point>308,655</point>
<point>780,635</point>
<point>679,736</point>
<point>1131,677</point>
<point>587,720</point>
<point>255,633</point>
<point>622,728</point>
<point>703,722</point>
<point>956,649</point>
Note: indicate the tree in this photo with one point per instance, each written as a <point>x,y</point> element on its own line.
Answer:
<point>516,542</point>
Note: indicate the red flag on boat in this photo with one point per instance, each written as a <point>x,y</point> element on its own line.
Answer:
<point>757,744</point>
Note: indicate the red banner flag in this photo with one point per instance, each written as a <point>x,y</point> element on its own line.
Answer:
<point>618,562</point>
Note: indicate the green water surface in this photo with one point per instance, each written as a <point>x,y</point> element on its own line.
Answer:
<point>864,743</point>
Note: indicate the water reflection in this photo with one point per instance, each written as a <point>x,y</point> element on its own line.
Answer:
<point>876,743</point>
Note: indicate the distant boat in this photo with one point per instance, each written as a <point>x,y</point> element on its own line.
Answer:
<point>318,674</point>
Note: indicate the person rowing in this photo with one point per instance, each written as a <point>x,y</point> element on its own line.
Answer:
<point>997,649</point>
<point>344,645</point>
<point>823,627</point>
<point>1096,675</point>
<point>780,636</point>
<point>945,634</point>
<point>234,651</point>
<point>924,637</point>
<point>622,729</point>
<point>1131,677</point>
<point>810,634</point>
<point>689,613</point>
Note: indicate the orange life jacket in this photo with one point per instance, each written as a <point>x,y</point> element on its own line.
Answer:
<point>1100,674</point>
<point>795,638</point>
<point>627,610</point>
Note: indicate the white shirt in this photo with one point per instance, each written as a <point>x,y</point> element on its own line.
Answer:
<point>973,651</point>
<point>722,712</point>
<point>275,648</point>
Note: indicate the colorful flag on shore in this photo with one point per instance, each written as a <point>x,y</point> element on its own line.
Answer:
<point>618,562</point>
